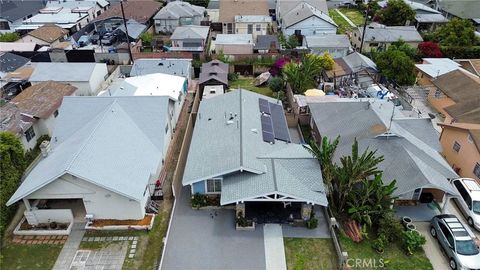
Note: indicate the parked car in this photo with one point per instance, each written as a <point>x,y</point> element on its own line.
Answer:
<point>108,39</point>
<point>469,200</point>
<point>456,241</point>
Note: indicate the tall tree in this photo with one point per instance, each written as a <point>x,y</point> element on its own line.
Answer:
<point>457,32</point>
<point>301,75</point>
<point>12,166</point>
<point>396,13</point>
<point>396,65</point>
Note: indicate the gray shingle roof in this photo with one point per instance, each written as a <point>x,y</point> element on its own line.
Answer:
<point>357,61</point>
<point>216,70</point>
<point>328,41</point>
<point>190,32</point>
<point>113,142</point>
<point>304,11</point>
<point>17,9</point>
<point>63,72</point>
<point>381,33</point>
<point>250,167</point>
<point>179,67</point>
<point>265,41</point>
<point>179,9</point>
<point>411,153</point>
<point>10,62</point>
<point>465,9</point>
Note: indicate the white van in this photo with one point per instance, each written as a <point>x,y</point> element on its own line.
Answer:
<point>469,201</point>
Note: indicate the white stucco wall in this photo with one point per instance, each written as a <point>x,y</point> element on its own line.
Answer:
<point>31,144</point>
<point>100,73</point>
<point>100,202</point>
<point>311,26</point>
<point>242,28</point>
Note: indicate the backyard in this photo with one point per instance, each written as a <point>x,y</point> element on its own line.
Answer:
<point>310,253</point>
<point>354,15</point>
<point>23,256</point>
<point>247,83</point>
<point>394,256</point>
<point>343,25</point>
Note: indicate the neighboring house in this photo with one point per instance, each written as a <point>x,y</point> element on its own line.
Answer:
<point>248,166</point>
<point>105,154</point>
<point>464,9</point>
<point>14,82</point>
<point>354,68</point>
<point>10,62</point>
<point>33,112</point>
<point>431,68</point>
<point>92,8</point>
<point>252,24</point>
<point>336,45</point>
<point>472,65</point>
<point>409,145</point>
<point>213,79</point>
<point>454,90</point>
<point>134,29</point>
<point>191,38</point>
<point>140,11</point>
<point>47,35</point>
<point>156,84</point>
<point>285,6</point>
<point>17,47</point>
<point>379,37</point>
<point>87,77</point>
<point>178,13</point>
<point>234,44</point>
<point>461,147</point>
<point>229,9</point>
<point>14,12</point>
<point>267,44</point>
<point>172,66</point>
<point>305,19</point>
<point>63,17</point>
<point>426,18</point>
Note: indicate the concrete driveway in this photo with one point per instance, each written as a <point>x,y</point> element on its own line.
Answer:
<point>199,239</point>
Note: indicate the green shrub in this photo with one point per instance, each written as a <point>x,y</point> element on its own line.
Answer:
<point>276,84</point>
<point>380,243</point>
<point>241,220</point>
<point>412,241</point>
<point>232,77</point>
<point>312,223</point>
<point>199,200</point>
<point>390,227</point>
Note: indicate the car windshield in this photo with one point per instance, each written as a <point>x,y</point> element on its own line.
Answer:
<point>476,207</point>
<point>467,247</point>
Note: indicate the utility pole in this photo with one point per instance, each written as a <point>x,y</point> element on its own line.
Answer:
<point>126,32</point>
<point>364,26</point>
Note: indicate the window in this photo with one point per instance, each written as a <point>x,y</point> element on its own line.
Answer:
<point>55,113</point>
<point>258,28</point>
<point>456,147</point>
<point>214,185</point>
<point>229,28</point>
<point>437,93</point>
<point>447,233</point>
<point>4,26</point>
<point>99,12</point>
<point>250,29</point>
<point>476,170</point>
<point>30,134</point>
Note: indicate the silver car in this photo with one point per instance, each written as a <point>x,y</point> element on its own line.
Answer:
<point>456,241</point>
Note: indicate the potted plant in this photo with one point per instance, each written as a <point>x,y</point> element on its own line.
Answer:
<point>406,220</point>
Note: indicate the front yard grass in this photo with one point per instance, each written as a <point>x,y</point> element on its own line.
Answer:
<point>354,15</point>
<point>394,255</point>
<point>310,253</point>
<point>247,83</point>
<point>23,256</point>
<point>343,25</point>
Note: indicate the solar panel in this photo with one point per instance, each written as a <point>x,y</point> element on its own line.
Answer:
<point>279,121</point>
<point>266,123</point>
<point>268,137</point>
<point>263,105</point>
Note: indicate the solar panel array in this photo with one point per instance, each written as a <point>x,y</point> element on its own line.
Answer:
<point>274,123</point>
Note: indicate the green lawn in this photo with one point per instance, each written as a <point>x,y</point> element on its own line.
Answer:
<point>18,257</point>
<point>343,25</point>
<point>394,255</point>
<point>310,253</point>
<point>247,83</point>
<point>354,15</point>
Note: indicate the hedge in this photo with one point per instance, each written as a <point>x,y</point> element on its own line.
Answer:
<point>461,52</point>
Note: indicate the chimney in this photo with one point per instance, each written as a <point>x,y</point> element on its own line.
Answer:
<point>45,148</point>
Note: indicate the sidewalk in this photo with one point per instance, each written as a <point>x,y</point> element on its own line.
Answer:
<point>70,247</point>
<point>274,248</point>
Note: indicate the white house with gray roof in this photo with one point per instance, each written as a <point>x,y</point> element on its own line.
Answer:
<point>409,145</point>
<point>336,45</point>
<point>252,24</point>
<point>105,154</point>
<point>245,161</point>
<point>306,19</point>
<point>87,77</point>
<point>177,13</point>
<point>190,38</point>
<point>379,36</point>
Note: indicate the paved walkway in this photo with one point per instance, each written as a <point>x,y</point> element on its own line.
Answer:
<point>274,248</point>
<point>70,247</point>
<point>346,18</point>
<point>321,231</point>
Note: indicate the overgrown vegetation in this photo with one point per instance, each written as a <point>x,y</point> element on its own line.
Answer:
<point>455,33</point>
<point>147,39</point>
<point>288,43</point>
<point>397,63</point>
<point>12,166</point>
<point>9,37</point>
<point>302,75</point>
<point>396,13</point>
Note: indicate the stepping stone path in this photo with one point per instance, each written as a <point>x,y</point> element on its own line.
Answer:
<point>40,239</point>
<point>133,247</point>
